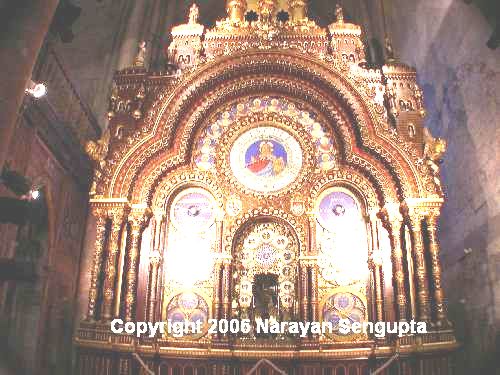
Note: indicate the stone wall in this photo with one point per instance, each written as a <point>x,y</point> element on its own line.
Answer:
<point>36,317</point>
<point>446,41</point>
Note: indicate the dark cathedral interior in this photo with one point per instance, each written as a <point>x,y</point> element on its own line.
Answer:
<point>243,162</point>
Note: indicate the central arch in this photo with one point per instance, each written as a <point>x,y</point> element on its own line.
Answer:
<point>173,121</point>
<point>265,263</point>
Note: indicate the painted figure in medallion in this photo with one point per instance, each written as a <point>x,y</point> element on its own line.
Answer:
<point>266,158</point>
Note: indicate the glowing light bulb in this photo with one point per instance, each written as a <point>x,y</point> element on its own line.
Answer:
<point>36,90</point>
<point>35,194</point>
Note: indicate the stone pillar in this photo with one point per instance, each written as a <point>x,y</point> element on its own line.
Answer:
<point>441,319</point>
<point>420,266</point>
<point>137,221</point>
<point>22,39</point>
<point>96,270</point>
<point>395,222</point>
<point>117,216</point>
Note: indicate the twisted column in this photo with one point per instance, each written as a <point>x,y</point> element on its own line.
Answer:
<point>137,223</point>
<point>96,270</point>
<point>395,223</point>
<point>441,318</point>
<point>117,218</point>
<point>420,266</point>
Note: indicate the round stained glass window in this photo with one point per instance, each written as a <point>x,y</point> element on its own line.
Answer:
<point>193,209</point>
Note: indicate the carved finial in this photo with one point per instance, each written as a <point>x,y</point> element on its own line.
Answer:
<point>339,13</point>
<point>298,9</point>
<point>267,9</point>
<point>236,10</point>
<point>194,14</point>
<point>141,55</point>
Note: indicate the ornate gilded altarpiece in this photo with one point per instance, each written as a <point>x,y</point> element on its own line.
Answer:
<point>266,172</point>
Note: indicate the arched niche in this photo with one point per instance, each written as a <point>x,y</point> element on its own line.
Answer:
<point>189,254</point>
<point>265,257</point>
<point>342,244</point>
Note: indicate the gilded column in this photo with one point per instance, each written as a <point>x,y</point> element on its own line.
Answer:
<point>303,291</point>
<point>226,277</point>
<point>138,219</point>
<point>154,262</point>
<point>395,223</point>
<point>441,319</point>
<point>420,266</point>
<point>312,234</point>
<point>217,292</point>
<point>375,265</point>
<point>117,218</point>
<point>100,216</point>
<point>314,293</point>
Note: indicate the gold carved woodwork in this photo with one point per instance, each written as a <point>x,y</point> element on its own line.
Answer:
<point>420,265</point>
<point>319,70</point>
<point>298,9</point>
<point>236,10</point>
<point>441,319</point>
<point>394,221</point>
<point>96,270</point>
<point>138,219</point>
<point>117,216</point>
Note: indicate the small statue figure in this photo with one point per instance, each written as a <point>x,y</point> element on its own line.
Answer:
<point>391,101</point>
<point>141,55</point>
<point>389,51</point>
<point>339,13</point>
<point>434,149</point>
<point>98,150</point>
<point>194,14</point>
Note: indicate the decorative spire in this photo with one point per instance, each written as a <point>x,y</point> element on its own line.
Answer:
<point>236,10</point>
<point>194,14</point>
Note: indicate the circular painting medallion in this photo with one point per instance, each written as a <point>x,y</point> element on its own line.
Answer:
<point>266,159</point>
